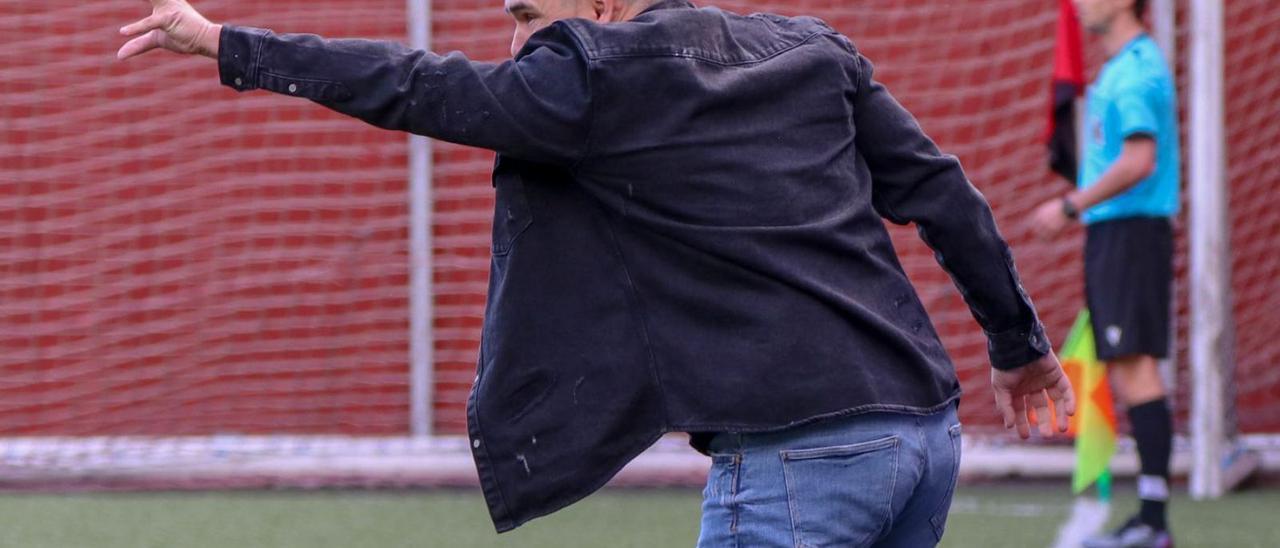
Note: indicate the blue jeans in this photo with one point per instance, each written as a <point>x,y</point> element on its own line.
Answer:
<point>878,479</point>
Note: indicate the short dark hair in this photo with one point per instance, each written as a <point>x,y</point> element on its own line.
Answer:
<point>1139,8</point>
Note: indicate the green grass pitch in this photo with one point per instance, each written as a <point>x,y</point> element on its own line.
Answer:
<point>982,516</point>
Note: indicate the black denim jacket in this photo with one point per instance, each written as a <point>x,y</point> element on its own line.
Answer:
<point>688,232</point>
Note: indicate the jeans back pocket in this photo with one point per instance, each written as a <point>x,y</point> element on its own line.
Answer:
<point>841,495</point>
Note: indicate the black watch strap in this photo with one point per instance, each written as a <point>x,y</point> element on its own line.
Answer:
<point>1069,209</point>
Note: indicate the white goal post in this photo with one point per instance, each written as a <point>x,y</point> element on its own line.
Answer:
<point>1218,462</point>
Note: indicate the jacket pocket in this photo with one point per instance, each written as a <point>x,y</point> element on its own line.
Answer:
<point>841,495</point>
<point>511,214</point>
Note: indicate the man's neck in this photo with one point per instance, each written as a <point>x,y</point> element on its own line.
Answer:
<point>1123,31</point>
<point>634,8</point>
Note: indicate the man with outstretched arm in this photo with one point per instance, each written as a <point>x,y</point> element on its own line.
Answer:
<point>688,236</point>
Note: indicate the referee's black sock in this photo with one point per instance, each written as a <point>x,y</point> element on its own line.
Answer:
<point>1153,431</point>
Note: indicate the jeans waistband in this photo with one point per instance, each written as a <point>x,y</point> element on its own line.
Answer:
<point>879,421</point>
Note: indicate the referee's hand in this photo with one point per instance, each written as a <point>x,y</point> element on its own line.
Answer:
<point>1030,388</point>
<point>1049,220</point>
<point>173,25</point>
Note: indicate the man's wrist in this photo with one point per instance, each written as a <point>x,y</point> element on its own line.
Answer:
<point>1014,348</point>
<point>210,40</point>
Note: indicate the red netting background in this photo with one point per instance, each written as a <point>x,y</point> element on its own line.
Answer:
<point>179,259</point>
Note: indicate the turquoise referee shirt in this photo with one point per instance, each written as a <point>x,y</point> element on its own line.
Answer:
<point>1133,95</point>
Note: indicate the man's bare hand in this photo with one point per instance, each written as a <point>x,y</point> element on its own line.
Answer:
<point>173,25</point>
<point>1032,387</point>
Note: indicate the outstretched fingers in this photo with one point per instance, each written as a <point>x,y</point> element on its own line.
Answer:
<point>1004,405</point>
<point>1064,401</point>
<point>1044,417</point>
<point>149,23</point>
<point>140,45</point>
<point>1020,419</point>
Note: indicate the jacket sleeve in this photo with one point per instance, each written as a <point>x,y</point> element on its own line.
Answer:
<point>534,107</point>
<point>913,182</point>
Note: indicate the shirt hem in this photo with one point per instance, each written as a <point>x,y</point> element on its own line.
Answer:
<point>1126,216</point>
<point>849,411</point>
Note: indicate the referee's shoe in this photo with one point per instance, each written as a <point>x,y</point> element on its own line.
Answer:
<point>1133,534</point>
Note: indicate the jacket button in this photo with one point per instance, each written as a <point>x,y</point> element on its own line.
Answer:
<point>293,88</point>
<point>239,81</point>
<point>475,444</point>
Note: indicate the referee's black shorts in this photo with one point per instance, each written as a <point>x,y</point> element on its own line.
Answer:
<point>1128,278</point>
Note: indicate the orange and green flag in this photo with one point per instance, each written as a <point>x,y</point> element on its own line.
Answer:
<point>1094,425</point>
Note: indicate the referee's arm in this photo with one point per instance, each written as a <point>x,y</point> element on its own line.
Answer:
<point>1137,161</point>
<point>1138,124</point>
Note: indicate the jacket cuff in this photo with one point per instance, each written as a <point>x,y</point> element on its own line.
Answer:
<point>239,51</point>
<point>1017,347</point>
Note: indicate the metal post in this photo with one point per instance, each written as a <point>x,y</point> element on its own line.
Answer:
<point>1164,27</point>
<point>421,361</point>
<point>1210,258</point>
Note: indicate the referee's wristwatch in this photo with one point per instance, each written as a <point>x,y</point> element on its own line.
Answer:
<point>1069,209</point>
